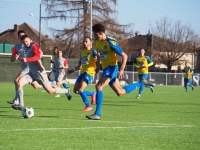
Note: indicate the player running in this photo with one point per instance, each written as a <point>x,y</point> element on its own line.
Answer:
<point>108,49</point>
<point>87,65</point>
<point>142,62</point>
<point>52,74</point>
<point>187,78</point>
<point>36,73</point>
<point>60,64</point>
<point>18,52</point>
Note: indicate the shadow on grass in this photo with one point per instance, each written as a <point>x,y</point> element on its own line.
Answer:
<point>11,116</point>
<point>56,109</point>
<point>46,117</point>
<point>6,106</point>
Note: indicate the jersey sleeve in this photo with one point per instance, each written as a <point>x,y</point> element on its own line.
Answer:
<point>14,50</point>
<point>149,60</point>
<point>36,51</point>
<point>94,53</point>
<point>114,46</point>
<point>65,62</point>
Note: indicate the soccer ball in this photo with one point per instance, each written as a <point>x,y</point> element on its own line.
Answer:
<point>27,112</point>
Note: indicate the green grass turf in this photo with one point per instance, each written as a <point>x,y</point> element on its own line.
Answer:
<point>168,119</point>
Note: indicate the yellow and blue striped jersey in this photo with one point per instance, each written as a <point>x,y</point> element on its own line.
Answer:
<point>188,71</point>
<point>143,61</point>
<point>88,61</point>
<point>108,50</point>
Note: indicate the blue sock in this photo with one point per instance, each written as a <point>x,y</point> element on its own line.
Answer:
<point>141,89</point>
<point>99,100</point>
<point>186,88</point>
<point>190,85</point>
<point>85,99</point>
<point>131,87</point>
<point>148,86</point>
<point>65,85</point>
<point>88,93</point>
<point>52,79</point>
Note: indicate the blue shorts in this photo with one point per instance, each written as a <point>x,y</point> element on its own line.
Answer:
<point>142,76</point>
<point>187,80</point>
<point>53,72</point>
<point>111,71</point>
<point>85,76</point>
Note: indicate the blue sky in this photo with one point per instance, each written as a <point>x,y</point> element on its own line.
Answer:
<point>142,13</point>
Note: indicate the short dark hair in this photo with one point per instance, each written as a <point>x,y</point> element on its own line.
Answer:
<point>24,37</point>
<point>55,47</point>
<point>87,37</point>
<point>98,28</point>
<point>20,31</point>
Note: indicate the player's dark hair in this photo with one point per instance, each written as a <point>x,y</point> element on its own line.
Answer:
<point>87,37</point>
<point>142,48</point>
<point>98,28</point>
<point>55,47</point>
<point>20,31</point>
<point>24,37</point>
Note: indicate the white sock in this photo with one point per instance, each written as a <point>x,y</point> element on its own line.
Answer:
<point>61,91</point>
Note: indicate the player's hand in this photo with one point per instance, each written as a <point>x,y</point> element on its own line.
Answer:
<point>121,74</point>
<point>23,59</point>
<point>17,56</point>
<point>144,66</point>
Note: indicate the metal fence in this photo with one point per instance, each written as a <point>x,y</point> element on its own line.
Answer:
<point>157,78</point>
<point>9,71</point>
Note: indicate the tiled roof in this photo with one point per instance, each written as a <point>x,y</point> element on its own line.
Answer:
<point>10,36</point>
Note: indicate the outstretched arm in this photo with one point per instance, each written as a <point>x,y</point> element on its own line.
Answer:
<point>76,68</point>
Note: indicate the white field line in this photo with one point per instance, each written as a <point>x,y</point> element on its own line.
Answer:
<point>136,123</point>
<point>89,128</point>
<point>155,123</point>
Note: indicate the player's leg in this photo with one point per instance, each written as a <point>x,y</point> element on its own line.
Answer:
<point>14,100</point>
<point>81,83</point>
<point>148,86</point>
<point>115,85</point>
<point>36,85</point>
<point>51,78</point>
<point>186,84</point>
<point>190,84</point>
<point>64,83</point>
<point>57,85</point>
<point>42,79</point>
<point>25,79</point>
<point>58,78</point>
<point>141,87</point>
<point>104,80</point>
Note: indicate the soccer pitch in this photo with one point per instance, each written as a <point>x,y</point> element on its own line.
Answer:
<point>167,119</point>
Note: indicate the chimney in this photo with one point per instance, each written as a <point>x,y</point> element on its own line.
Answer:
<point>137,33</point>
<point>16,28</point>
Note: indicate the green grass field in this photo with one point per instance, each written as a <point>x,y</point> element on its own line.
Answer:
<point>168,119</point>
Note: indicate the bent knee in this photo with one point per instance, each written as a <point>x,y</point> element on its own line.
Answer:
<point>120,93</point>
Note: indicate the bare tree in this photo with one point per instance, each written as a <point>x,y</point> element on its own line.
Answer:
<point>171,41</point>
<point>103,12</point>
